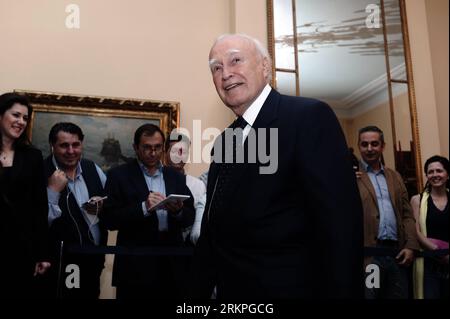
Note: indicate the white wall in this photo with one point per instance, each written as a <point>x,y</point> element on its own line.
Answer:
<point>423,79</point>
<point>437,18</point>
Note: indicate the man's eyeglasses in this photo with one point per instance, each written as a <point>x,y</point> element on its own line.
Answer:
<point>373,144</point>
<point>152,148</point>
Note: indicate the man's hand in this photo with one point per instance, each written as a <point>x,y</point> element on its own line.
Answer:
<point>405,257</point>
<point>57,181</point>
<point>41,267</point>
<point>153,199</point>
<point>358,174</point>
<point>174,207</point>
<point>94,206</point>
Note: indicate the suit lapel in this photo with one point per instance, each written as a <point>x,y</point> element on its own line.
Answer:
<point>369,186</point>
<point>169,182</point>
<point>269,111</point>
<point>266,116</point>
<point>212,176</point>
<point>391,187</point>
<point>18,164</point>
<point>137,179</point>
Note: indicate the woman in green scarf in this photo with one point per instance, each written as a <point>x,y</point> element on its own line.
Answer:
<point>431,210</point>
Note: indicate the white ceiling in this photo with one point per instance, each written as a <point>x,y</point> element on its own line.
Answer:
<point>341,60</point>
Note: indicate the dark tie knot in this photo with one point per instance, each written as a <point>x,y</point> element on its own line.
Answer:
<point>240,122</point>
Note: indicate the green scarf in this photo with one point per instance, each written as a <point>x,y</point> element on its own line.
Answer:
<point>418,267</point>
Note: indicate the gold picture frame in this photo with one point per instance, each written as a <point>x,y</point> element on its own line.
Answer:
<point>108,123</point>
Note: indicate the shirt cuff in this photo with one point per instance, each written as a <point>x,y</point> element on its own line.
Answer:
<point>53,197</point>
<point>144,209</point>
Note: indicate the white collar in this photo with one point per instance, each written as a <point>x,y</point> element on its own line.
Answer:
<point>253,110</point>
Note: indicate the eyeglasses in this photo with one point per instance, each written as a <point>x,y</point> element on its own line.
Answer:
<point>373,144</point>
<point>152,148</point>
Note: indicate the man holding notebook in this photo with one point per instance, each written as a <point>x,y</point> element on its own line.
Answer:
<point>134,191</point>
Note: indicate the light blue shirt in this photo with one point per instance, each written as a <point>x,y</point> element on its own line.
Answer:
<point>155,183</point>
<point>79,190</point>
<point>388,223</point>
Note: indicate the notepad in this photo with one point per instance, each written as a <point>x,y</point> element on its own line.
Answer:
<point>170,199</point>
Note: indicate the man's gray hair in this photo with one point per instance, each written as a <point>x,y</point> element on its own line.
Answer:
<point>371,128</point>
<point>258,45</point>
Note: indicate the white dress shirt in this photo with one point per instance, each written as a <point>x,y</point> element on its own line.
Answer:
<point>198,190</point>
<point>253,110</point>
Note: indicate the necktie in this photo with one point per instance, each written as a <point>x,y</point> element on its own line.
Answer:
<point>240,122</point>
<point>226,169</point>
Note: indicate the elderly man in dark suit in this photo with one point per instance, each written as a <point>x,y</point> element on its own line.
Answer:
<point>290,229</point>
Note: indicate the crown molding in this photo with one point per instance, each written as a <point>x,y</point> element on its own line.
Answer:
<point>370,95</point>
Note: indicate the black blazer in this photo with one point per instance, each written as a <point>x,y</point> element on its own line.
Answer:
<point>25,214</point>
<point>294,233</point>
<point>71,225</point>
<point>126,190</point>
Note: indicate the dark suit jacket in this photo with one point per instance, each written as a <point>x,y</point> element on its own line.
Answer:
<point>126,190</point>
<point>72,228</point>
<point>24,215</point>
<point>294,233</point>
<point>71,225</point>
<point>406,224</point>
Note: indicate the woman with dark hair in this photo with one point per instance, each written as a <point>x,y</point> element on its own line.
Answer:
<point>432,218</point>
<point>23,201</point>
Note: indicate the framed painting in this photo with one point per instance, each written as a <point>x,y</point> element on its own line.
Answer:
<point>107,123</point>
